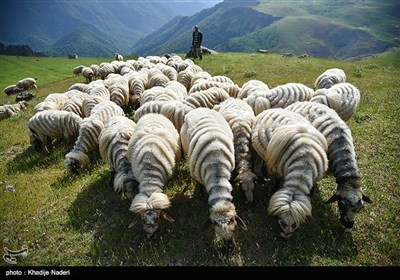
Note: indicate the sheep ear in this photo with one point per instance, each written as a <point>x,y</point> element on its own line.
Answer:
<point>166,216</point>
<point>334,198</point>
<point>241,223</point>
<point>206,225</point>
<point>366,199</point>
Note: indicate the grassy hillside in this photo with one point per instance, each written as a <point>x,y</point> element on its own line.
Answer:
<point>81,222</point>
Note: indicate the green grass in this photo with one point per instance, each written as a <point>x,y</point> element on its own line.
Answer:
<point>80,221</point>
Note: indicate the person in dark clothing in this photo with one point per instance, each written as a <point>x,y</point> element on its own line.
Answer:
<point>196,42</point>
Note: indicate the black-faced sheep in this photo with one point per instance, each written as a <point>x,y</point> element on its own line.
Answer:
<point>342,158</point>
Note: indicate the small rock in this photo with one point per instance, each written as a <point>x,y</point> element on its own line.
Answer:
<point>10,188</point>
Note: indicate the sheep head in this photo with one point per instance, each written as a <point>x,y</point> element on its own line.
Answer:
<point>224,219</point>
<point>75,161</point>
<point>350,201</point>
<point>150,210</point>
<point>292,209</point>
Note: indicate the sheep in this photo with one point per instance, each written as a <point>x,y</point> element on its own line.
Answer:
<point>279,97</point>
<point>53,101</point>
<point>100,90</point>
<point>87,73</point>
<point>137,85</point>
<point>153,151</point>
<point>150,94</point>
<point>89,131</point>
<point>105,69</point>
<point>78,70</point>
<point>12,89</point>
<point>199,76</point>
<point>206,98</point>
<point>174,110</point>
<point>9,110</point>
<point>240,117</point>
<point>27,84</point>
<point>24,96</point>
<point>250,87</point>
<point>222,79</point>
<point>118,57</point>
<point>49,125</point>
<point>295,152</point>
<point>113,145</point>
<point>343,98</point>
<point>157,78</point>
<point>342,158</point>
<point>88,103</point>
<point>95,69</point>
<point>329,78</point>
<point>207,141</point>
<point>119,91</point>
<point>81,87</point>
<point>74,104</point>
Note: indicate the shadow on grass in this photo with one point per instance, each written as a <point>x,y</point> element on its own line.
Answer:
<point>99,211</point>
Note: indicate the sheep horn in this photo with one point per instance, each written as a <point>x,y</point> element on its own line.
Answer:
<point>366,198</point>
<point>241,222</point>
<point>166,216</point>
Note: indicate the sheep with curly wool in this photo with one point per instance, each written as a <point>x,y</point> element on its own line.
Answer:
<point>343,98</point>
<point>174,110</point>
<point>8,110</point>
<point>251,86</point>
<point>342,158</point>
<point>74,103</point>
<point>240,117</point>
<point>49,125</point>
<point>295,152</point>
<point>206,98</point>
<point>153,151</point>
<point>113,145</point>
<point>53,101</point>
<point>89,132</point>
<point>329,78</point>
<point>207,141</point>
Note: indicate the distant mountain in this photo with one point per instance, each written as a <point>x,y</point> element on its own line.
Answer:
<point>324,28</point>
<point>42,23</point>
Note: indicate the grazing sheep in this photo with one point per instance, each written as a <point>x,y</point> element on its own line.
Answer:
<point>279,97</point>
<point>153,151</point>
<point>89,132</point>
<point>206,98</point>
<point>113,145</point>
<point>347,102</point>
<point>207,141</point>
<point>78,70</point>
<point>24,96</point>
<point>105,69</point>
<point>27,84</point>
<point>88,104</point>
<point>9,110</point>
<point>251,86</point>
<point>119,91</point>
<point>74,104</point>
<point>49,125</point>
<point>329,78</point>
<point>342,158</point>
<point>174,110</point>
<point>87,73</point>
<point>53,101</point>
<point>295,152</point>
<point>240,117</point>
<point>157,78</point>
<point>12,89</point>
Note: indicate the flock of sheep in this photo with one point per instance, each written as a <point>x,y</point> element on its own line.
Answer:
<point>182,111</point>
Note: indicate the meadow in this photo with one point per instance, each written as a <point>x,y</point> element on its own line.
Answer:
<point>66,221</point>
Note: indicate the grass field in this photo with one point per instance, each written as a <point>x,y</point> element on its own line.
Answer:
<point>79,221</point>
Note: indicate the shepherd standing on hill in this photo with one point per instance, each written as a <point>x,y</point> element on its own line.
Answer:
<point>196,42</point>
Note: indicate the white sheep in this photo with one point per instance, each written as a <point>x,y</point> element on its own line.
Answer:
<point>174,110</point>
<point>279,97</point>
<point>51,125</point>
<point>27,83</point>
<point>240,117</point>
<point>329,78</point>
<point>88,103</point>
<point>153,151</point>
<point>343,98</point>
<point>113,145</point>
<point>207,141</point>
<point>89,132</point>
<point>74,104</point>
<point>119,90</point>
<point>53,101</point>
<point>342,158</point>
<point>9,110</point>
<point>88,74</point>
<point>77,70</point>
<point>206,98</point>
<point>295,152</point>
<point>251,86</point>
